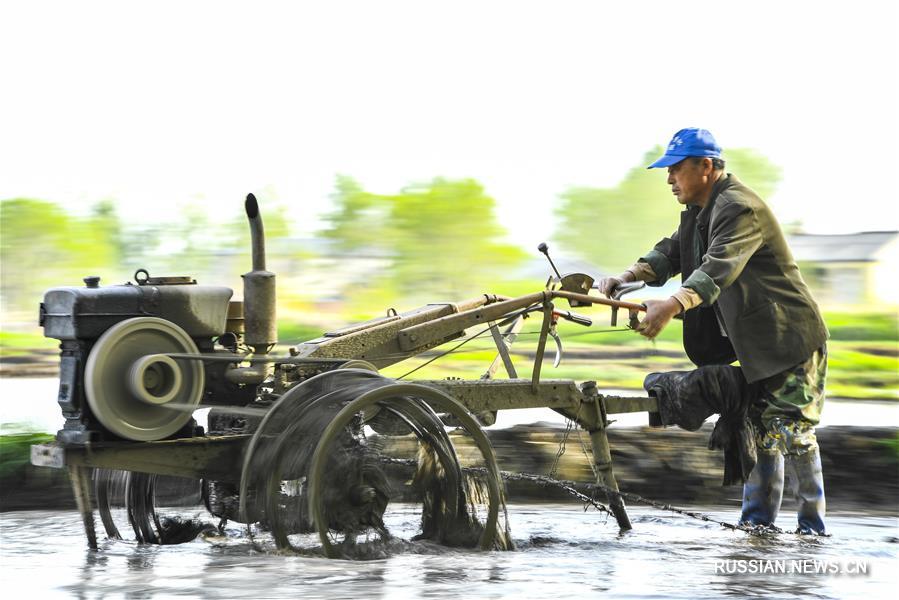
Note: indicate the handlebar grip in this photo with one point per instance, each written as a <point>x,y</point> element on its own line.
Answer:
<point>627,288</point>
<point>574,317</point>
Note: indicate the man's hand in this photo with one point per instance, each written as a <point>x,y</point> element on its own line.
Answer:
<point>608,285</point>
<point>658,314</point>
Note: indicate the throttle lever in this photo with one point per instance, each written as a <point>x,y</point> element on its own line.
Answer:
<point>627,288</point>
<point>621,290</point>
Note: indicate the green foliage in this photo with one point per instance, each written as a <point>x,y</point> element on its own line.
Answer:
<point>15,340</point>
<point>891,445</point>
<point>841,358</point>
<point>446,239</point>
<point>863,370</point>
<point>33,236</point>
<point>15,448</point>
<point>851,372</point>
<point>440,239</point>
<point>755,170</point>
<point>613,227</point>
<point>863,326</point>
<point>42,246</point>
<point>294,333</point>
<point>359,221</point>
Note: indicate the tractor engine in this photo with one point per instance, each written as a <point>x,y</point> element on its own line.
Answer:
<point>131,365</point>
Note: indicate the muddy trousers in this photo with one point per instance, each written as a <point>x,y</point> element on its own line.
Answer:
<point>808,489</point>
<point>763,492</point>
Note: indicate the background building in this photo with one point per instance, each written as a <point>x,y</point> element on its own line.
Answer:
<point>850,269</point>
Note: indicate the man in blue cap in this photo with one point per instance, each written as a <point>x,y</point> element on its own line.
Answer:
<point>742,297</point>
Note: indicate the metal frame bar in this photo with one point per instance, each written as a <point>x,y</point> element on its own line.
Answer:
<point>502,348</point>
<point>212,457</point>
<point>541,345</point>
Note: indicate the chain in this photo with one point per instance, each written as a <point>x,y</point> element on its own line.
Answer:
<point>568,426</point>
<point>589,458</point>
<point>561,451</point>
<point>630,497</point>
<point>544,480</point>
<point>562,446</point>
<point>756,530</point>
<point>569,487</point>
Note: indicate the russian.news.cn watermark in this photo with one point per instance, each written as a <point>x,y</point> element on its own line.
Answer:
<point>798,566</point>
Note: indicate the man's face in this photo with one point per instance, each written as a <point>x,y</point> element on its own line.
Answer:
<point>689,180</point>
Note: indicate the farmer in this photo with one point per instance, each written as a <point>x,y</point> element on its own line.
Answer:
<point>742,297</point>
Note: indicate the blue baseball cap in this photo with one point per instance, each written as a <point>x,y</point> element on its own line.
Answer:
<point>688,142</point>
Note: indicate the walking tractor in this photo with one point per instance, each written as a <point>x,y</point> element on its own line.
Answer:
<point>314,451</point>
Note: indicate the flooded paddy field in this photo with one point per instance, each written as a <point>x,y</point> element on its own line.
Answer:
<point>561,550</point>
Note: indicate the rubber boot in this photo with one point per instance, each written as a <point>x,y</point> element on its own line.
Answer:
<point>807,482</point>
<point>763,491</point>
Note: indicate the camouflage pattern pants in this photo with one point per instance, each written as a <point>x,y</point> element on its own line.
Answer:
<point>791,407</point>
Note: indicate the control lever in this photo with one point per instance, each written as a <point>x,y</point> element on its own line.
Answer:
<point>621,290</point>
<point>545,250</point>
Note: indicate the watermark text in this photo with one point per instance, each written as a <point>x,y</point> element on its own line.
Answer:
<point>799,566</point>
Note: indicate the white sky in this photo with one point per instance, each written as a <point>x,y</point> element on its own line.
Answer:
<point>171,102</point>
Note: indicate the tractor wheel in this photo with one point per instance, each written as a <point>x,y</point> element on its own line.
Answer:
<point>326,478</point>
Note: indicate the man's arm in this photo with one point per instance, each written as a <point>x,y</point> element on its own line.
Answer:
<point>655,268</point>
<point>639,271</point>
<point>734,237</point>
<point>660,312</point>
<point>663,260</point>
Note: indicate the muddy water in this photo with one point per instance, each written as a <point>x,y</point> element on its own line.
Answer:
<point>563,551</point>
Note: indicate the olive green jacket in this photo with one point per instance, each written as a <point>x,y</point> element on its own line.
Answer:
<point>733,254</point>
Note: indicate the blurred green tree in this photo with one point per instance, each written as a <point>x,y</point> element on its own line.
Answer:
<point>612,227</point>
<point>33,240</point>
<point>97,241</point>
<point>43,246</point>
<point>359,221</point>
<point>448,240</point>
<point>438,240</point>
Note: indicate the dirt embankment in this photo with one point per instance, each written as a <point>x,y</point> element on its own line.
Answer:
<point>34,363</point>
<point>861,468</point>
<point>861,464</point>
